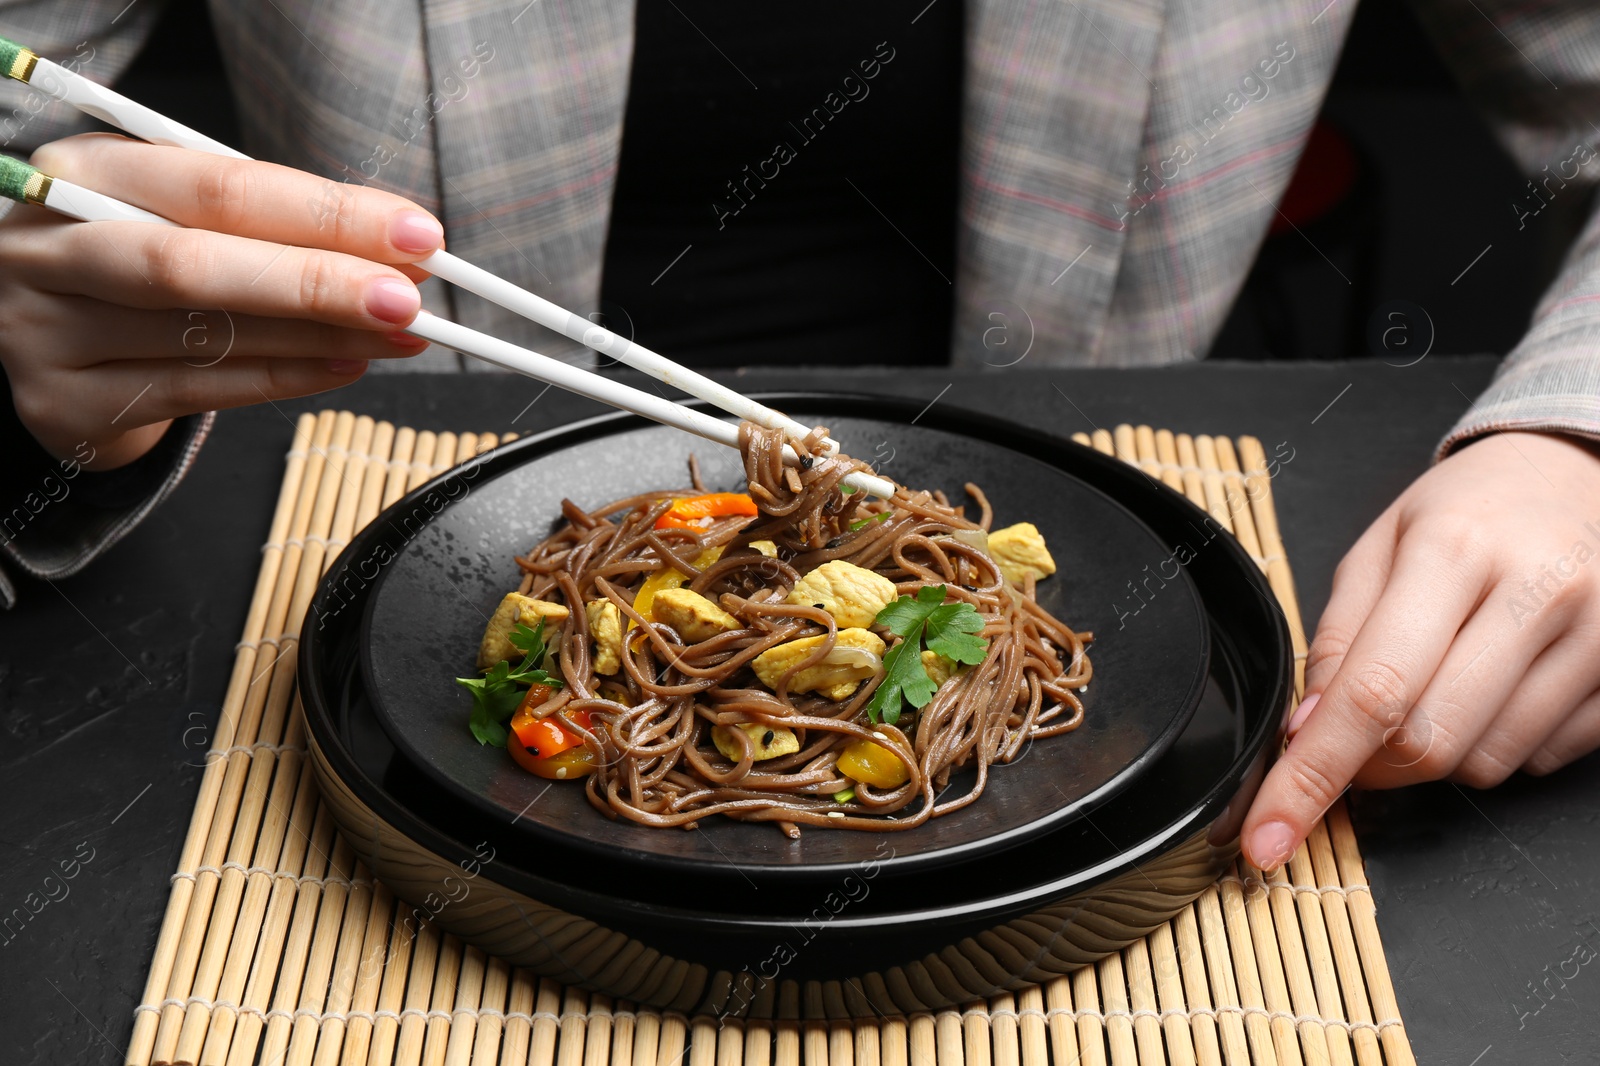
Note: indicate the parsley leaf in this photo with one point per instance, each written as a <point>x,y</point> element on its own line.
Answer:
<point>497,694</point>
<point>950,629</point>
<point>906,615</point>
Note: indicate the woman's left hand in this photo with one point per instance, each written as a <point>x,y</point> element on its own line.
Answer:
<point>1461,639</point>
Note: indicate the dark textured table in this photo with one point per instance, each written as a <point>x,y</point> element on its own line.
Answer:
<point>110,683</point>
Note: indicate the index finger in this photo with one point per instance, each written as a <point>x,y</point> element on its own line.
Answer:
<point>246,198</point>
<point>1393,657</point>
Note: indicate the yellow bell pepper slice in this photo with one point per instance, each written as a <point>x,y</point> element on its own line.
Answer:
<point>873,764</point>
<point>668,578</point>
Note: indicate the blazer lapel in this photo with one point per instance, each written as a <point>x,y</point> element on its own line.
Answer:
<point>1056,97</point>
<point>527,106</point>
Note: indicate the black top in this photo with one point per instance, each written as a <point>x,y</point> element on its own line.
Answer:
<point>787,188</point>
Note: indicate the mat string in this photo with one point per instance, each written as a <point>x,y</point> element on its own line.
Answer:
<point>1248,884</point>
<point>1084,1013</point>
<point>300,542</point>
<point>300,879</point>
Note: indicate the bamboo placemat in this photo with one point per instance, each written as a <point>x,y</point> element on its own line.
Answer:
<point>278,947</point>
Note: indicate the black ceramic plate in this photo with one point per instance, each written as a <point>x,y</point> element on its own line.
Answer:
<point>427,611</point>
<point>1203,783</point>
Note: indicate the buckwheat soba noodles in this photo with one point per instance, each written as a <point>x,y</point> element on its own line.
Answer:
<point>796,654</point>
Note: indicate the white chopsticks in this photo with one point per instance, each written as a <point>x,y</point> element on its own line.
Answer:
<point>25,183</point>
<point>112,107</point>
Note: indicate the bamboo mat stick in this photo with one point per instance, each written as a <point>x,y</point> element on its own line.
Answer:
<point>1113,987</point>
<point>894,1035</point>
<point>546,1024</point>
<point>949,1039</point>
<point>1007,1048</point>
<point>759,1035</point>
<point>786,1045</point>
<point>1124,444</point>
<point>1063,1029</point>
<point>646,1038</point>
<point>569,1051</point>
<point>1033,1044</point>
<point>405,446</point>
<point>1363,919</point>
<point>975,1047</point>
<point>1142,1000</point>
<point>441,1004</point>
<point>1211,480</point>
<point>1175,1018</point>
<point>597,1037</point>
<point>1167,456</point>
<point>146,1022</point>
<point>518,1030</point>
<point>1091,1025</point>
<point>868,1044</point>
<point>1193,486</point>
<point>669,1048</point>
<point>923,1048</point>
<point>236,767</point>
<point>470,1000</point>
<point>623,1019</point>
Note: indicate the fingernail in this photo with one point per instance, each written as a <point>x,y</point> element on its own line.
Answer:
<point>346,366</point>
<point>392,300</point>
<point>1271,845</point>
<point>408,341</point>
<point>1301,713</point>
<point>415,231</point>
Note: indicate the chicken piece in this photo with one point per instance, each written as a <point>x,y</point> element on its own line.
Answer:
<point>1021,553</point>
<point>692,615</point>
<point>605,627</point>
<point>516,608</point>
<point>852,594</point>
<point>769,741</point>
<point>939,669</point>
<point>857,655</point>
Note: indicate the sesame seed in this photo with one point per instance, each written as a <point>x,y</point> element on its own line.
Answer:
<point>561,772</point>
<point>879,735</point>
<point>835,814</point>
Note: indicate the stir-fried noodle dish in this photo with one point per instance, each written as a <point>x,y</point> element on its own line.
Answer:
<point>799,653</point>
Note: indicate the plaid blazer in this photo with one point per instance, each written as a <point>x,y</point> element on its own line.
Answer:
<point>1121,159</point>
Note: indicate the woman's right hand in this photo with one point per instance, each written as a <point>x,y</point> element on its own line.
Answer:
<point>282,284</point>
